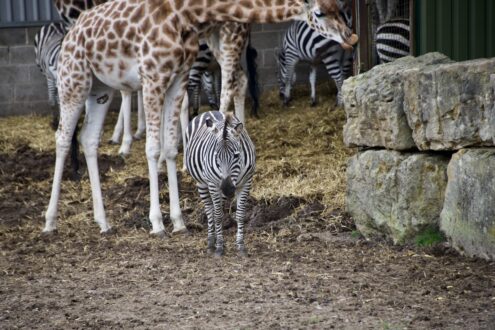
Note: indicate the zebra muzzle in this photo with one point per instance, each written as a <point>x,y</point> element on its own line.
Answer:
<point>228,188</point>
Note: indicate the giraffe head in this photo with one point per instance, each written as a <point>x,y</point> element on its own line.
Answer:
<point>332,19</point>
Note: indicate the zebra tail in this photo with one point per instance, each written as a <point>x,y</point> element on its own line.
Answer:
<point>252,68</point>
<point>74,155</point>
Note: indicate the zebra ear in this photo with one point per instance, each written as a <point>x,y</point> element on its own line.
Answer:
<point>238,128</point>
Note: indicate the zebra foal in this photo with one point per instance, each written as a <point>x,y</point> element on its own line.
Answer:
<point>221,157</point>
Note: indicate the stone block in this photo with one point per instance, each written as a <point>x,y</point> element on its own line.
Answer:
<point>22,55</point>
<point>14,74</point>
<point>374,104</point>
<point>4,55</point>
<point>13,36</point>
<point>31,92</point>
<point>451,106</point>
<point>468,215</point>
<point>395,195</point>
<point>6,93</point>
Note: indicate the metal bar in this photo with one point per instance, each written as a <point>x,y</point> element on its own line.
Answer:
<point>363,48</point>
<point>36,10</point>
<point>9,11</point>
<point>412,28</point>
<point>22,10</point>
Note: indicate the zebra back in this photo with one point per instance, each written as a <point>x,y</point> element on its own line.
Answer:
<point>392,40</point>
<point>217,145</point>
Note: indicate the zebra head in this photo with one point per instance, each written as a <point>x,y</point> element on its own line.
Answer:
<point>332,20</point>
<point>227,151</point>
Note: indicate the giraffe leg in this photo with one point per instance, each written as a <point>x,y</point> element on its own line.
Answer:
<point>141,121</point>
<point>125,147</point>
<point>312,82</point>
<point>171,115</point>
<point>184,122</point>
<point>96,109</point>
<point>240,94</point>
<point>69,115</point>
<point>204,193</point>
<point>119,125</point>
<point>153,94</point>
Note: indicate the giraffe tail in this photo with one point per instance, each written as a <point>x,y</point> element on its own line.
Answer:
<point>254,88</point>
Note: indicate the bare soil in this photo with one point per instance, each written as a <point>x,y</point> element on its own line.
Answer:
<point>307,267</point>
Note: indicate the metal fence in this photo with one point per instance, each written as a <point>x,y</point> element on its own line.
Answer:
<point>20,13</point>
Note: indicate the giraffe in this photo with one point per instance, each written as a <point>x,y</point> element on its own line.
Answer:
<point>151,44</point>
<point>227,42</point>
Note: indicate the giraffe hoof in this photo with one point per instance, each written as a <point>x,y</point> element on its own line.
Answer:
<point>109,232</point>
<point>181,232</point>
<point>49,234</point>
<point>160,234</point>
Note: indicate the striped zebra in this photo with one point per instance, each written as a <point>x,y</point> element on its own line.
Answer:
<point>392,40</point>
<point>47,43</point>
<point>302,43</point>
<point>220,156</point>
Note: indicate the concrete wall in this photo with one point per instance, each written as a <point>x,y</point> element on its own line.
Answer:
<point>23,88</point>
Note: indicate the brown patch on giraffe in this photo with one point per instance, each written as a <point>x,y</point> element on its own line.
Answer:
<point>126,48</point>
<point>137,14</point>
<point>101,45</point>
<point>119,27</point>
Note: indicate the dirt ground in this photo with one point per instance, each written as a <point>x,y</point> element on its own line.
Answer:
<point>307,267</point>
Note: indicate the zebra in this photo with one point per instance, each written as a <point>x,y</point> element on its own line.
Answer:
<point>47,43</point>
<point>301,42</point>
<point>392,40</point>
<point>221,157</point>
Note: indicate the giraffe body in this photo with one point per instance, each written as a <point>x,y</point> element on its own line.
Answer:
<point>150,44</point>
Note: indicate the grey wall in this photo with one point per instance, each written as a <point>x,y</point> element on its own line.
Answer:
<point>23,87</point>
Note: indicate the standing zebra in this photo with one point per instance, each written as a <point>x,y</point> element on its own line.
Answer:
<point>47,43</point>
<point>392,40</point>
<point>302,43</point>
<point>220,156</point>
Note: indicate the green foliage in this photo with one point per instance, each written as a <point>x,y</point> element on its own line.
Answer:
<point>430,236</point>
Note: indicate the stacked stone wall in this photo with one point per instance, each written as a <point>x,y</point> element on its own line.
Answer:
<point>423,114</point>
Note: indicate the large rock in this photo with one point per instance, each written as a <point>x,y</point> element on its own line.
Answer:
<point>468,215</point>
<point>374,104</point>
<point>451,106</point>
<point>395,195</point>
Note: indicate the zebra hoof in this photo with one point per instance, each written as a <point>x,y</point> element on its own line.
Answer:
<point>242,252</point>
<point>219,252</point>
<point>109,232</point>
<point>314,104</point>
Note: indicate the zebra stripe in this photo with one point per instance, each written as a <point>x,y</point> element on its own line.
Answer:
<point>47,44</point>
<point>302,43</point>
<point>221,157</point>
<point>392,40</point>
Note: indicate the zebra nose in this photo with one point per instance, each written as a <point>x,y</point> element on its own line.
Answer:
<point>228,188</point>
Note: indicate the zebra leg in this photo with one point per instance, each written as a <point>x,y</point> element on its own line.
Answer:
<point>312,82</point>
<point>141,121</point>
<point>53,99</point>
<point>125,147</point>
<point>217,200</point>
<point>119,125</point>
<point>240,216</point>
<point>204,193</point>
<point>289,79</point>
<point>90,139</point>
<point>334,69</point>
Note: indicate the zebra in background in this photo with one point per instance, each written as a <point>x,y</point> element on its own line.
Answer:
<point>47,43</point>
<point>393,40</point>
<point>302,43</point>
<point>221,157</point>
